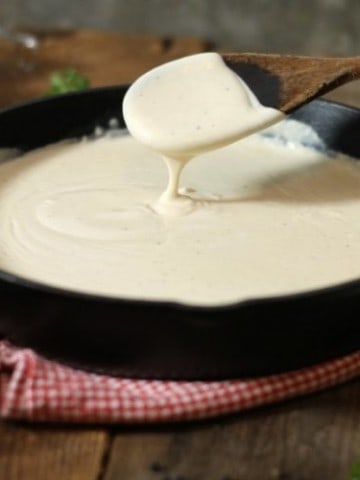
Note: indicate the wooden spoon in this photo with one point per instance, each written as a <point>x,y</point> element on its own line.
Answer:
<point>286,82</point>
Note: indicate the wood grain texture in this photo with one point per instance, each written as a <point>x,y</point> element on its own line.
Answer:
<point>105,58</point>
<point>293,80</point>
<point>312,438</point>
<point>39,453</point>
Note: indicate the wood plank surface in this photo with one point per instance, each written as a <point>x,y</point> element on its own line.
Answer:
<point>313,438</point>
<point>316,437</point>
<point>46,453</point>
<point>105,58</point>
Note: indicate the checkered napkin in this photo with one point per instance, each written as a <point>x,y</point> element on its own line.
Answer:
<point>35,389</point>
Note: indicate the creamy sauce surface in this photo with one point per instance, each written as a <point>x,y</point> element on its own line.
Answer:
<point>252,219</point>
<point>271,219</point>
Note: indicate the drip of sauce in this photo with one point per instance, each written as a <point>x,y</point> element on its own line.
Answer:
<point>188,107</point>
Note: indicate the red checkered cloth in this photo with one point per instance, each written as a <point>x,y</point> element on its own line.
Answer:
<point>35,389</point>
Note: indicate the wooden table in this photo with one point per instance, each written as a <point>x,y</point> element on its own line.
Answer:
<point>313,438</point>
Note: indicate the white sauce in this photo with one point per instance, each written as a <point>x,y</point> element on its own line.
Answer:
<point>187,107</point>
<point>273,220</point>
<point>259,217</point>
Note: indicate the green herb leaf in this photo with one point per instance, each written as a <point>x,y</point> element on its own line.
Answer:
<point>355,472</point>
<point>68,80</point>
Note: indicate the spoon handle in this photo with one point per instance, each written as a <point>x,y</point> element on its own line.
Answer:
<point>286,82</point>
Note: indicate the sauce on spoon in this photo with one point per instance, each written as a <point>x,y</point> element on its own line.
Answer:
<point>188,107</point>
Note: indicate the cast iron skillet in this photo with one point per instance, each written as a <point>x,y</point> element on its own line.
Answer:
<point>168,340</point>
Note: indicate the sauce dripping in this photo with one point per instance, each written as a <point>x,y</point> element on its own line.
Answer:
<point>188,107</point>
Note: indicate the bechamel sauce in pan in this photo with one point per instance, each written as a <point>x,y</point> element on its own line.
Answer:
<point>266,217</point>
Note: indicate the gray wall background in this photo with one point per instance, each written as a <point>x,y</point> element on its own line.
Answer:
<point>302,26</point>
